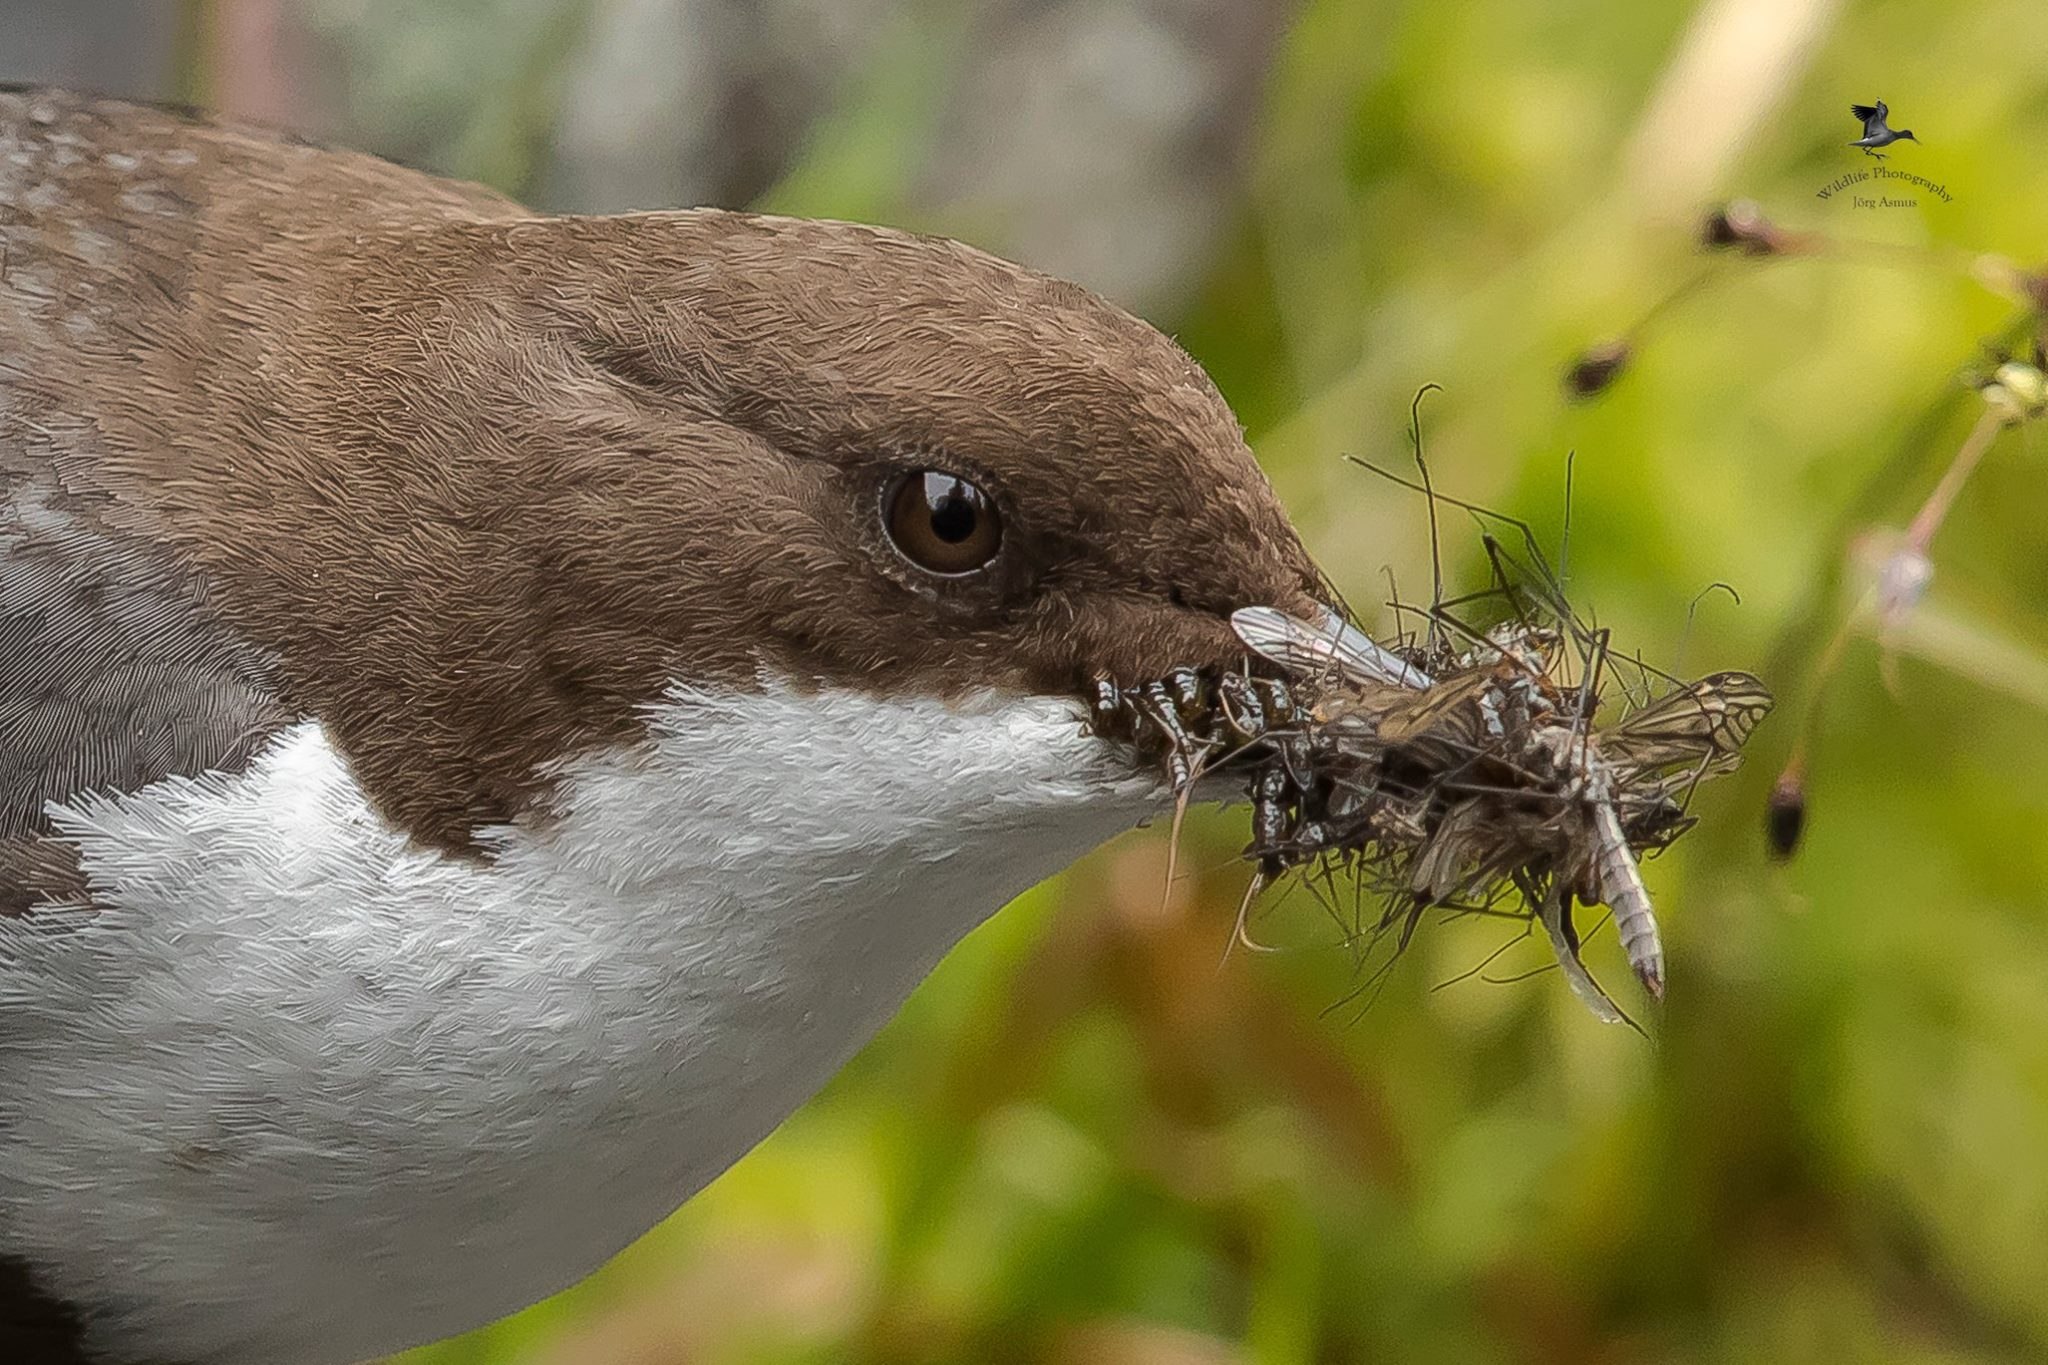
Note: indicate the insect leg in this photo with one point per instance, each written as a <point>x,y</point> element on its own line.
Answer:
<point>1553,910</point>
<point>1269,820</point>
<point>1158,705</point>
<point>1243,712</point>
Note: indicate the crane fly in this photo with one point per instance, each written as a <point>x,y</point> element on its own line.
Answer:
<point>1475,769</point>
<point>1460,768</point>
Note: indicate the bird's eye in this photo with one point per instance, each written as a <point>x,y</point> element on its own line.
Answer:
<point>941,522</point>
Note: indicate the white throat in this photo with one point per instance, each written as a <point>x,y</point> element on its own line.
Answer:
<point>304,1093</point>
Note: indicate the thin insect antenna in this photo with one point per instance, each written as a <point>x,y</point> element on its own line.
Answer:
<point>1240,929</point>
<point>1220,865</point>
<point>1598,925</point>
<point>1371,988</point>
<point>1362,981</point>
<point>1286,894</point>
<point>1539,562</point>
<point>1489,909</point>
<point>1564,542</point>
<point>1408,925</point>
<point>1357,927</point>
<point>1651,670</point>
<point>1483,964</point>
<point>1589,690</point>
<point>1547,590</point>
<point>1519,976</point>
<point>1181,801</point>
<point>1404,481</point>
<point>1394,602</point>
<point>1523,793</point>
<point>1330,594</point>
<point>1528,532</point>
<point>1691,611</point>
<point>1377,979</point>
<point>1403,610</point>
<point>1236,758</point>
<point>1491,593</point>
<point>1641,682</point>
<point>1494,558</point>
<point>1436,560</point>
<point>1699,775</point>
<point>1326,896</point>
<point>1453,624</point>
<point>1629,671</point>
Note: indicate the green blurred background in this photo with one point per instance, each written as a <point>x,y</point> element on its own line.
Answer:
<point>1090,1138</point>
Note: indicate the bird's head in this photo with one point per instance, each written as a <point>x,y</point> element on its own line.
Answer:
<point>590,462</point>
<point>900,463</point>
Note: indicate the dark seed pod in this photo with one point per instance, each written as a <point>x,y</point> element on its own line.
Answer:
<point>1785,815</point>
<point>1595,368</point>
<point>1741,225</point>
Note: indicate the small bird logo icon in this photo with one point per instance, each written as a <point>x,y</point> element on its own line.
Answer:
<point>1875,131</point>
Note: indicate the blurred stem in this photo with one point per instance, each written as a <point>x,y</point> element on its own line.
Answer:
<point>1810,644</point>
<point>1971,647</point>
<point>1794,648</point>
<point>1919,535</point>
<point>1935,510</point>
<point>191,81</point>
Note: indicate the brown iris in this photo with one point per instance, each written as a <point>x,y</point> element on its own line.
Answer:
<point>941,522</point>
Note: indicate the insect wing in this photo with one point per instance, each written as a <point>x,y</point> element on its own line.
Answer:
<point>1449,711</point>
<point>1454,854</point>
<point>1704,722</point>
<point>1334,646</point>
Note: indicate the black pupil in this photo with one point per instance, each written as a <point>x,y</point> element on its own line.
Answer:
<point>954,514</point>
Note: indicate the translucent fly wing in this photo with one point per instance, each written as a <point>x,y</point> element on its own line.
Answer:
<point>1330,647</point>
<point>1455,859</point>
<point>1706,722</point>
<point>1361,648</point>
<point>1452,713</point>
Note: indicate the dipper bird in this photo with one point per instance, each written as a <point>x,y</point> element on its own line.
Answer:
<point>1875,133</point>
<point>495,709</point>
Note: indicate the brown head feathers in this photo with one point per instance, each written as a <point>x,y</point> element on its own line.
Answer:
<point>472,486</point>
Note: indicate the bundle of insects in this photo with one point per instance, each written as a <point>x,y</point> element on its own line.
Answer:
<point>1469,768</point>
